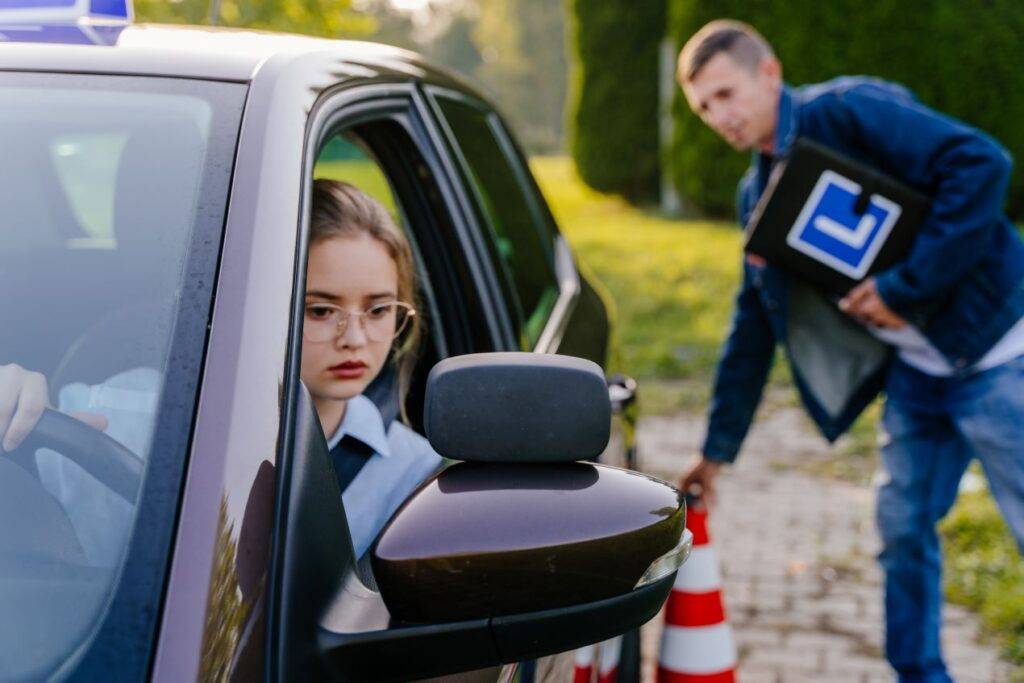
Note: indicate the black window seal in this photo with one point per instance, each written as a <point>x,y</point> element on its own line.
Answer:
<point>555,246</point>
<point>501,285</point>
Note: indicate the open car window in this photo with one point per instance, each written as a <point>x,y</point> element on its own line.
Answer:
<point>347,157</point>
<point>381,158</point>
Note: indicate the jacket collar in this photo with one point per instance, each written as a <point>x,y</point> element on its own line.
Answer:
<point>785,133</point>
<point>785,126</point>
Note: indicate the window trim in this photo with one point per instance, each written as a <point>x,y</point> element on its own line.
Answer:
<point>459,200</point>
<point>558,252</point>
<point>337,109</point>
<point>568,295</point>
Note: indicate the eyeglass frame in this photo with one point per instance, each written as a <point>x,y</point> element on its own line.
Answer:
<point>341,327</point>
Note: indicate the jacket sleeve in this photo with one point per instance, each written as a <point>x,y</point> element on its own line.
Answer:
<point>965,171</point>
<point>740,378</point>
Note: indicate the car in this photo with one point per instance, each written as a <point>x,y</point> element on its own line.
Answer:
<point>156,190</point>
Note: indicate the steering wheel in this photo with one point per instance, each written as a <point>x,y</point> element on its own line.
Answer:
<point>49,593</point>
<point>107,460</point>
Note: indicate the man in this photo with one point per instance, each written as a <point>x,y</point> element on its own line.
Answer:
<point>952,312</point>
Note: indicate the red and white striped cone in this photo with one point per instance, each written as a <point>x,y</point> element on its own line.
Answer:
<point>605,653</point>
<point>608,662</point>
<point>697,644</point>
<point>583,664</point>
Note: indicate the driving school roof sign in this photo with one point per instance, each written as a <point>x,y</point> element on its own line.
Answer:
<point>80,22</point>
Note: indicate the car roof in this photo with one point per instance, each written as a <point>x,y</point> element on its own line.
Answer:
<point>212,53</point>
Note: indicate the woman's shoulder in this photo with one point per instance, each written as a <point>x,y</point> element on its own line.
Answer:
<point>405,442</point>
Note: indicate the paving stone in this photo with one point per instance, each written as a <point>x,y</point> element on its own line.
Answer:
<point>785,660</point>
<point>829,676</point>
<point>747,676</point>
<point>754,636</point>
<point>801,585</point>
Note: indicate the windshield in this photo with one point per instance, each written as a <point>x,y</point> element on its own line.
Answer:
<point>113,192</point>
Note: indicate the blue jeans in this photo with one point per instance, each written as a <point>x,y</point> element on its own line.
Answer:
<point>935,426</point>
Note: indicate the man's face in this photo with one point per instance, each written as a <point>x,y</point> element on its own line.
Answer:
<point>738,103</point>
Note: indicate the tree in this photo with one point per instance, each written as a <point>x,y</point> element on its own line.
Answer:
<point>522,43</point>
<point>328,18</point>
<point>614,101</point>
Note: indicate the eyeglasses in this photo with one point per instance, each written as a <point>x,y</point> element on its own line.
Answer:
<point>380,322</point>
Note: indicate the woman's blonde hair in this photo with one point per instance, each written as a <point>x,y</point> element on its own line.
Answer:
<point>343,210</point>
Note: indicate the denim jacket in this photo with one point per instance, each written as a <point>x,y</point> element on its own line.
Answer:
<point>962,283</point>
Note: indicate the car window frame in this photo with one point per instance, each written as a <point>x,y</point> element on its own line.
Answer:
<point>338,108</point>
<point>556,248</point>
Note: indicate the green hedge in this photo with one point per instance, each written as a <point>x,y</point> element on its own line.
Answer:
<point>613,110</point>
<point>961,58</point>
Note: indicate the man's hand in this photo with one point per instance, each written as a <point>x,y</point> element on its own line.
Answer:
<point>864,304</point>
<point>699,479</point>
<point>755,260</point>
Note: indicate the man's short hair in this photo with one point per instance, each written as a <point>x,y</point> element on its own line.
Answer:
<point>740,41</point>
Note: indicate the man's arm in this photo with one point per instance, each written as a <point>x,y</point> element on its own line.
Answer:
<point>739,382</point>
<point>741,374</point>
<point>965,171</point>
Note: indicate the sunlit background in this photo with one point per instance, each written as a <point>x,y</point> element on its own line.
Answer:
<point>513,50</point>
<point>605,66</point>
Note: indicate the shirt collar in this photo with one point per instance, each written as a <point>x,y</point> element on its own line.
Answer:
<point>363,422</point>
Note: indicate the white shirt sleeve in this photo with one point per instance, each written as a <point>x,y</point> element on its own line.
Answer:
<point>101,518</point>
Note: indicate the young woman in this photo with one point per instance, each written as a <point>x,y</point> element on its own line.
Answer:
<point>360,319</point>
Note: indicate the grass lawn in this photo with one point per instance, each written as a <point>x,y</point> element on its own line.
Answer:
<point>672,281</point>
<point>985,572</point>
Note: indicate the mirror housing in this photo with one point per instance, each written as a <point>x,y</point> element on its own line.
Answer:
<point>493,539</point>
<point>517,407</point>
<point>496,563</point>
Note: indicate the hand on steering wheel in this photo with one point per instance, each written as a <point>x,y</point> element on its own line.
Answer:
<point>22,400</point>
<point>26,423</point>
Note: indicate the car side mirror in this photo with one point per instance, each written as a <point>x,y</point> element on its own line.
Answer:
<point>488,562</point>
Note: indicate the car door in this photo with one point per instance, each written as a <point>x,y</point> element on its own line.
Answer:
<point>376,137</point>
<point>382,138</point>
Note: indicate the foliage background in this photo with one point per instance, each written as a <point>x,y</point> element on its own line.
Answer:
<point>614,99</point>
<point>960,58</point>
<point>514,50</point>
<point>331,18</point>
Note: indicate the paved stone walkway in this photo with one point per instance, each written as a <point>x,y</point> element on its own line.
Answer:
<point>802,588</point>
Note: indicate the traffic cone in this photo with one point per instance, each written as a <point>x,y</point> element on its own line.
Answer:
<point>608,662</point>
<point>697,644</point>
<point>606,655</point>
<point>583,664</point>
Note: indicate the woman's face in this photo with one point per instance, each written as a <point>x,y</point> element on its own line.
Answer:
<point>352,273</point>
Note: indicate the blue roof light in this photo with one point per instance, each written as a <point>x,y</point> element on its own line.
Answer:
<point>80,22</point>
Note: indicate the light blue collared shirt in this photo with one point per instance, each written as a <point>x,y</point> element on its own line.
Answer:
<point>401,461</point>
